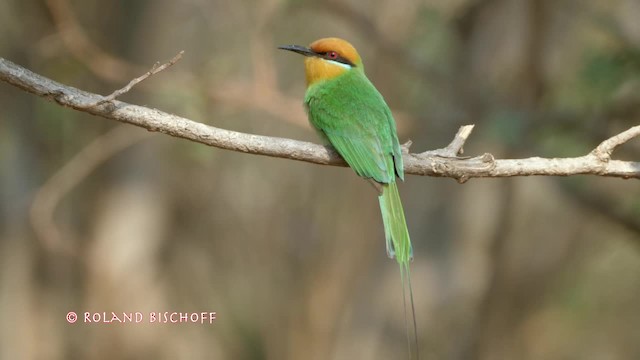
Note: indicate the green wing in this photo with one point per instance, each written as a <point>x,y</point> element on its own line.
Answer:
<point>353,116</point>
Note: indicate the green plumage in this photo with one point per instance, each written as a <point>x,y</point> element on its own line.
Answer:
<point>352,115</point>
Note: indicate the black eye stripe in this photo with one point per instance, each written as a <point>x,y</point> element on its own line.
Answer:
<point>340,59</point>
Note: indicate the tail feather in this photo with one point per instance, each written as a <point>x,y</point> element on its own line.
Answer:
<point>395,226</point>
<point>399,246</point>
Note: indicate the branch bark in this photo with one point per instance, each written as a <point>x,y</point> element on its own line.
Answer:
<point>440,162</point>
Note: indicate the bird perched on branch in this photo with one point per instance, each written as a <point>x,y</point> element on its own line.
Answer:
<point>349,112</point>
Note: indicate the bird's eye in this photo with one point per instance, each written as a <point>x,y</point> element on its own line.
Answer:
<point>332,55</point>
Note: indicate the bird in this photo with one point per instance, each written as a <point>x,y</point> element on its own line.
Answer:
<point>349,112</point>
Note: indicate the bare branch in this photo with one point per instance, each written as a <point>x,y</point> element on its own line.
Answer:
<point>417,164</point>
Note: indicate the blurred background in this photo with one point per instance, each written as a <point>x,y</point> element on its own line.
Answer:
<point>96,216</point>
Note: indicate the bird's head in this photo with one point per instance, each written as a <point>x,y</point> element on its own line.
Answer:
<point>327,58</point>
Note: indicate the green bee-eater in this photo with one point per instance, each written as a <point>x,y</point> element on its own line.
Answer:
<point>348,111</point>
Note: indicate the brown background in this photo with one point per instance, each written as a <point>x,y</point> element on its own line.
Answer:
<point>97,216</point>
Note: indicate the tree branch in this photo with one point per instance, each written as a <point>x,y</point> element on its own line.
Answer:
<point>430,163</point>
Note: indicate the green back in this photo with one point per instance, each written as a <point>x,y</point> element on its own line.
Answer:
<point>353,116</point>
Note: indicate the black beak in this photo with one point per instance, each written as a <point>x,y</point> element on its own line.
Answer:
<point>298,49</point>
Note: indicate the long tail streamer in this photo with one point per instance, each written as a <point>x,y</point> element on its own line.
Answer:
<point>399,246</point>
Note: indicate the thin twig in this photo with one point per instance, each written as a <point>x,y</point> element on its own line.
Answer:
<point>154,70</point>
<point>606,148</point>
<point>456,145</point>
